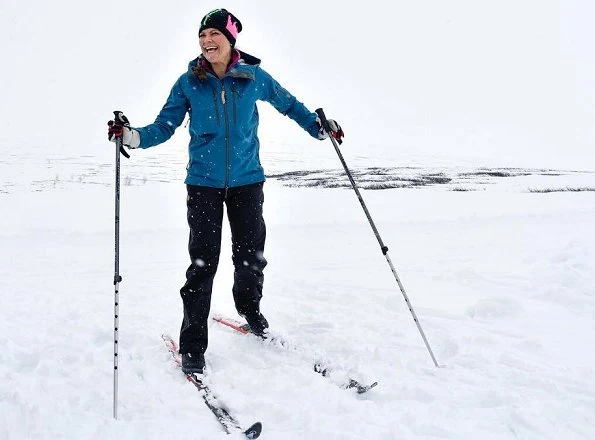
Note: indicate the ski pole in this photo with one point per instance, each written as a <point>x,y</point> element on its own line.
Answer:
<point>119,121</point>
<point>384,249</point>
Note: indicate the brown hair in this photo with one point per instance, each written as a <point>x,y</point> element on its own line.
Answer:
<point>200,72</point>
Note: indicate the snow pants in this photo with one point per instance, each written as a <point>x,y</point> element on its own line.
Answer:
<point>248,233</point>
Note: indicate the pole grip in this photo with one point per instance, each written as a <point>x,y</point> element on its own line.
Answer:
<point>120,121</point>
<point>323,120</point>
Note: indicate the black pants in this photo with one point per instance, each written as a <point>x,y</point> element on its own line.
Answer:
<point>248,233</point>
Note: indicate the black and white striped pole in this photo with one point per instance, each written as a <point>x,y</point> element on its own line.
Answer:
<point>327,128</point>
<point>117,126</point>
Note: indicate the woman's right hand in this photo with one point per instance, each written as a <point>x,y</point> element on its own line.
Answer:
<point>120,126</point>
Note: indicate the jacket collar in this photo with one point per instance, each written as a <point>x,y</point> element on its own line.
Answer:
<point>243,65</point>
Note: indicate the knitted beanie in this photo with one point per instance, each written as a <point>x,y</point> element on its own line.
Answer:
<point>223,21</point>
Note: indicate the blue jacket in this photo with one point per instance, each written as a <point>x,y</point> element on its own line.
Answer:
<point>224,146</point>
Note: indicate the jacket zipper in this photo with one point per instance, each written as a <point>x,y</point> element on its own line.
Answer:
<point>216,104</point>
<point>233,100</point>
<point>226,117</point>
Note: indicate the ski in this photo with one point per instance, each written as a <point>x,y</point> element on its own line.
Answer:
<point>227,421</point>
<point>319,367</point>
<point>351,383</point>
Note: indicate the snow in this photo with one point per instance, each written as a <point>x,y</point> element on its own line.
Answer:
<point>483,141</point>
<point>501,279</point>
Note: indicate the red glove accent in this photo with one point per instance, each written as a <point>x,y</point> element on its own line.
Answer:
<point>114,130</point>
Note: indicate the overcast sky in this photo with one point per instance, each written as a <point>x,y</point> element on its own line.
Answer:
<point>459,79</point>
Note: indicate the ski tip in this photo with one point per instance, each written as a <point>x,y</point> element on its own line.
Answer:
<point>236,325</point>
<point>167,338</point>
<point>170,343</point>
<point>361,389</point>
<point>254,431</point>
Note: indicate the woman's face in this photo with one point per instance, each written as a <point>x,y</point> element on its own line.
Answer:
<point>214,46</point>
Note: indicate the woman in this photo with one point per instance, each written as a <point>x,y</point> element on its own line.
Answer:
<point>219,92</point>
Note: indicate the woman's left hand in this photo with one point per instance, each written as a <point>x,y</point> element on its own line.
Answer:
<point>336,130</point>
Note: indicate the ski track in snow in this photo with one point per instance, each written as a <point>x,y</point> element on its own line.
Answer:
<point>501,279</point>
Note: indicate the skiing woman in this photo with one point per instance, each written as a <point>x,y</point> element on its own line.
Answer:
<point>219,93</point>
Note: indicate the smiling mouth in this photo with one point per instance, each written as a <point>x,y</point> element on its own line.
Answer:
<point>210,49</point>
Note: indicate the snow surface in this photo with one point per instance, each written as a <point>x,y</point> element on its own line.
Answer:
<point>500,277</point>
<point>484,134</point>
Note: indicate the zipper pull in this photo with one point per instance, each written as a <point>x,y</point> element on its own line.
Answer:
<point>223,96</point>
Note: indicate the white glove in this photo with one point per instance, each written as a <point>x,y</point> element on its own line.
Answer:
<point>130,136</point>
<point>336,130</point>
